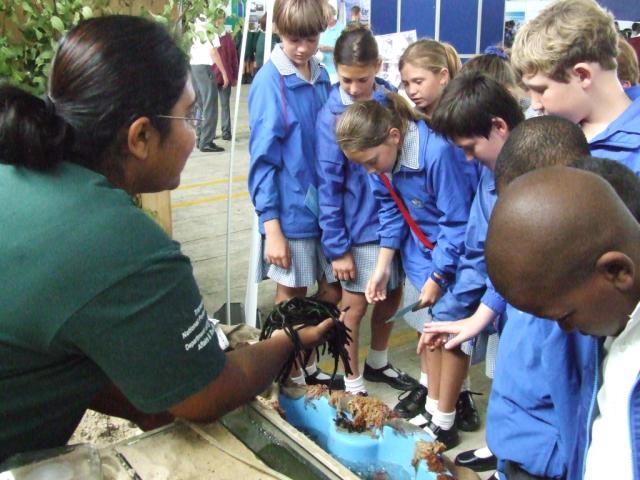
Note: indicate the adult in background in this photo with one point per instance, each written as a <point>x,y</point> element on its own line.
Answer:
<point>229,57</point>
<point>204,53</point>
<point>98,306</point>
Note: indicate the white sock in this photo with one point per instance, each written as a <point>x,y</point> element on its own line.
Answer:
<point>424,379</point>
<point>431,405</point>
<point>444,420</point>
<point>466,384</point>
<point>377,358</point>
<point>483,452</point>
<point>355,385</point>
<point>299,380</point>
<point>313,368</point>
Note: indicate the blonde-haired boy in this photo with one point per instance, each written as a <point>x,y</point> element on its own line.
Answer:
<point>566,57</point>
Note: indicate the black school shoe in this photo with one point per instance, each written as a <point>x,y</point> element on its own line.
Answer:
<point>337,384</point>
<point>211,147</point>
<point>401,382</point>
<point>412,402</point>
<point>477,464</point>
<point>467,418</point>
<point>450,437</point>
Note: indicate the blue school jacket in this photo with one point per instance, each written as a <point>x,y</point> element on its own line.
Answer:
<point>348,209</point>
<point>542,386</point>
<point>462,299</point>
<point>633,92</point>
<point>438,196</point>
<point>620,141</point>
<point>282,175</point>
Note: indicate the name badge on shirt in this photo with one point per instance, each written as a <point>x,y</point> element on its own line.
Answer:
<point>223,341</point>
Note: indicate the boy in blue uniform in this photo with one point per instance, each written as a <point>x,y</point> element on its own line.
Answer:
<point>285,98</point>
<point>566,57</point>
<point>568,268</point>
<point>392,139</point>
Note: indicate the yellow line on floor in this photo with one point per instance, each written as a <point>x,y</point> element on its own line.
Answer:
<point>212,199</point>
<point>188,186</point>
<point>396,340</point>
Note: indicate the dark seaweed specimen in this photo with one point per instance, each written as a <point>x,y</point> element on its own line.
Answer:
<point>297,313</point>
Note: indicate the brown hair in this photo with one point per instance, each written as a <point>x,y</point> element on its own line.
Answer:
<point>356,45</point>
<point>301,18</point>
<point>366,124</point>
<point>493,66</point>
<point>627,63</point>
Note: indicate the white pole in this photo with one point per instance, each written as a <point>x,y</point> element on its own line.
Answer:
<point>232,157</point>
<point>436,34</point>
<point>479,27</point>
<point>251,295</point>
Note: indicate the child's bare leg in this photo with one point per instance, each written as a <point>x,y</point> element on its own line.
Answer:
<point>286,293</point>
<point>329,292</point>
<point>455,365</point>
<point>382,311</point>
<point>433,359</point>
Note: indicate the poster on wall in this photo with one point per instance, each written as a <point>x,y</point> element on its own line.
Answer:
<point>365,10</point>
<point>391,47</point>
<point>257,8</point>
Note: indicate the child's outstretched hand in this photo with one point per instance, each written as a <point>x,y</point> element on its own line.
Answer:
<point>276,245</point>
<point>430,294</point>
<point>463,330</point>
<point>377,285</point>
<point>432,341</point>
<point>344,268</point>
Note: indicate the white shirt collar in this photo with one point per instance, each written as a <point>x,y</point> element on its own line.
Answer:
<point>285,66</point>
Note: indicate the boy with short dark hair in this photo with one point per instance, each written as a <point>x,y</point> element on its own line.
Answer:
<point>548,253</point>
<point>522,425</point>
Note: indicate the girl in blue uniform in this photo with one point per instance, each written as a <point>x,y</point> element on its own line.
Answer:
<point>285,98</point>
<point>349,211</point>
<point>394,140</point>
<point>426,67</point>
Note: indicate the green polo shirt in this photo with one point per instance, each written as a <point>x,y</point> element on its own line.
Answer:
<point>91,291</point>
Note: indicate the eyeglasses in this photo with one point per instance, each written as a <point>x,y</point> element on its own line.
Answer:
<point>193,121</point>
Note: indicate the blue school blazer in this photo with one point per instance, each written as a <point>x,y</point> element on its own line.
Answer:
<point>463,297</point>
<point>348,209</point>
<point>438,196</point>
<point>282,174</point>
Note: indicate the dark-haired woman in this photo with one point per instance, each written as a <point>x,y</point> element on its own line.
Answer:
<point>98,307</point>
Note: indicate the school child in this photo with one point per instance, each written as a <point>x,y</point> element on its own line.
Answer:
<point>476,113</point>
<point>349,212</point>
<point>285,98</point>
<point>497,66</point>
<point>535,143</point>
<point>585,278</point>
<point>628,72</point>
<point>566,57</point>
<point>426,66</point>
<point>420,169</point>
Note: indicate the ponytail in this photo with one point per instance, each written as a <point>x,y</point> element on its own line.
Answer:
<point>367,124</point>
<point>32,135</point>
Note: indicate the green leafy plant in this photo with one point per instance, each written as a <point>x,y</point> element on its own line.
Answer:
<point>31,29</point>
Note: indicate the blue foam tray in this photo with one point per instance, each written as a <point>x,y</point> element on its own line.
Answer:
<point>361,452</point>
